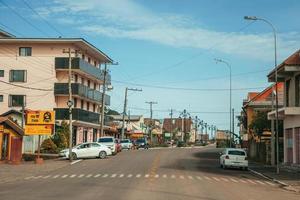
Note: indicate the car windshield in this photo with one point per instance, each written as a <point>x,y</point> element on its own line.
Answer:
<point>140,140</point>
<point>125,141</point>
<point>236,153</point>
<point>103,140</point>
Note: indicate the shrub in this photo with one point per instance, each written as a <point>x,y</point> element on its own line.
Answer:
<point>48,146</point>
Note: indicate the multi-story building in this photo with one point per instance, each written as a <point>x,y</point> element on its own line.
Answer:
<point>34,74</point>
<point>289,73</point>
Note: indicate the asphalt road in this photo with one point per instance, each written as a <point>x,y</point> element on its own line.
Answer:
<point>147,174</point>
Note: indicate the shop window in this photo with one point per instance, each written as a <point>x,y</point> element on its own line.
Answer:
<point>88,106</point>
<point>1,98</point>
<point>1,73</point>
<point>81,106</point>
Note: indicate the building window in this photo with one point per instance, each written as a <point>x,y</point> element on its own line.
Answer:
<point>297,91</point>
<point>1,73</point>
<point>95,86</point>
<point>17,76</point>
<point>76,78</point>
<point>88,105</point>
<point>89,83</point>
<point>85,134</point>
<point>287,92</point>
<point>25,51</point>
<point>83,56</point>
<point>94,135</point>
<point>81,106</point>
<point>82,81</point>
<point>94,107</point>
<point>95,63</point>
<point>16,100</point>
<point>89,59</point>
<point>1,98</point>
<point>75,103</point>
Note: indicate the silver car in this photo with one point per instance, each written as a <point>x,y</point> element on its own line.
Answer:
<point>126,144</point>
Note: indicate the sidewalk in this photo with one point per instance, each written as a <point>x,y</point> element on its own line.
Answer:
<point>290,178</point>
<point>10,173</point>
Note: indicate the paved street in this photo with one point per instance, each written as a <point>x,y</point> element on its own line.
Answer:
<point>147,174</point>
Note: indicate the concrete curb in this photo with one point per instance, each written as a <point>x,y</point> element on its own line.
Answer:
<point>282,184</point>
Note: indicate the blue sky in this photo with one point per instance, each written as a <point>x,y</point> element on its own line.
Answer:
<point>172,43</point>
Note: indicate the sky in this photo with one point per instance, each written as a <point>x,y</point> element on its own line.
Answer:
<point>167,47</point>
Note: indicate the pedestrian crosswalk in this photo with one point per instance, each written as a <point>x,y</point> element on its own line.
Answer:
<point>216,179</point>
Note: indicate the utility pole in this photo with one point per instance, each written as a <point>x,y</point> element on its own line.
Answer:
<point>272,134</point>
<point>70,101</point>
<point>103,101</point>
<point>232,126</point>
<point>196,127</point>
<point>125,108</point>
<point>151,115</point>
<point>171,124</point>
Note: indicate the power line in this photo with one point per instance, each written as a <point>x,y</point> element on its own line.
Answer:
<point>24,19</point>
<point>49,24</point>
<point>26,87</point>
<point>9,28</point>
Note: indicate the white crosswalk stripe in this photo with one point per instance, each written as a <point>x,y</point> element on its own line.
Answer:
<point>97,175</point>
<point>147,175</point>
<point>165,176</point>
<point>182,177</point>
<point>207,178</point>
<point>243,181</point>
<point>65,176</point>
<point>105,175</point>
<point>121,176</point>
<point>73,175</point>
<point>250,181</point>
<point>88,176</point>
<point>215,178</point>
<point>268,182</point>
<point>257,181</point>
<point>199,178</point>
<point>129,176</point>
<point>156,176</point>
<point>30,177</point>
<point>138,176</point>
<point>56,176</point>
<point>225,179</point>
<point>81,175</point>
<point>190,177</point>
<point>45,177</point>
<point>173,176</point>
<point>113,175</point>
<point>234,180</point>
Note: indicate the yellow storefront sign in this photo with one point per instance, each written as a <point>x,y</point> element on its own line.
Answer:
<point>40,117</point>
<point>38,129</point>
<point>1,128</point>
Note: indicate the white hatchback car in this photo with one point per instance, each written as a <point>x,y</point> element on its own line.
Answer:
<point>232,157</point>
<point>126,144</point>
<point>87,150</point>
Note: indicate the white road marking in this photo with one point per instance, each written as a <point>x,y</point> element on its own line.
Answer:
<point>190,177</point>
<point>30,177</point>
<point>73,175</point>
<point>250,181</point>
<point>257,181</point>
<point>173,176</point>
<point>105,175</point>
<point>182,177</point>
<point>81,175</point>
<point>243,181</point>
<point>156,176</point>
<point>121,175</point>
<point>216,178</point>
<point>64,176</point>
<point>38,177</point>
<point>207,178</point>
<point>129,176</point>
<point>224,179</point>
<point>113,175</point>
<point>138,176</point>
<point>88,176</point>
<point>146,175</point>
<point>165,176</point>
<point>56,176</point>
<point>198,177</point>
<point>97,175</point>
<point>76,161</point>
<point>233,180</point>
<point>272,184</point>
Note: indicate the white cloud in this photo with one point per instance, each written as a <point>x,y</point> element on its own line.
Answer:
<point>127,19</point>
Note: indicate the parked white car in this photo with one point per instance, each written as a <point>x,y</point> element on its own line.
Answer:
<point>87,150</point>
<point>232,157</point>
<point>110,142</point>
<point>126,144</point>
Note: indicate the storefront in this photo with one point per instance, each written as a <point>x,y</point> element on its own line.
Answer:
<point>11,136</point>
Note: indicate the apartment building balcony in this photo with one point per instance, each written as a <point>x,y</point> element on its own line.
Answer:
<point>77,114</point>
<point>283,112</point>
<point>81,67</point>
<point>80,91</point>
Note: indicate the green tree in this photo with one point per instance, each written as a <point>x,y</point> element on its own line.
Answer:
<point>61,137</point>
<point>260,123</point>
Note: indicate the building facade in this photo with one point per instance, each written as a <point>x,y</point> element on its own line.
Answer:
<point>34,74</point>
<point>288,72</point>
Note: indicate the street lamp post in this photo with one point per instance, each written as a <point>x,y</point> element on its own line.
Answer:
<point>230,95</point>
<point>276,83</point>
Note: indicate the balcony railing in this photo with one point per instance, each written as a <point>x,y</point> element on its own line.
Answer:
<point>77,114</point>
<point>82,91</point>
<point>82,65</point>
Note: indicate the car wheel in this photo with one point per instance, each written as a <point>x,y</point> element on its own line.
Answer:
<point>102,154</point>
<point>74,156</point>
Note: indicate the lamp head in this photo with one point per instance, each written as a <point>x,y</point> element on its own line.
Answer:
<point>250,18</point>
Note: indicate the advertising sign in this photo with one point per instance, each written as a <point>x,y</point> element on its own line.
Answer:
<point>40,117</point>
<point>38,129</point>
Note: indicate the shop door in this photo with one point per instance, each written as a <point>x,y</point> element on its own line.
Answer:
<point>85,134</point>
<point>297,141</point>
<point>5,147</point>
